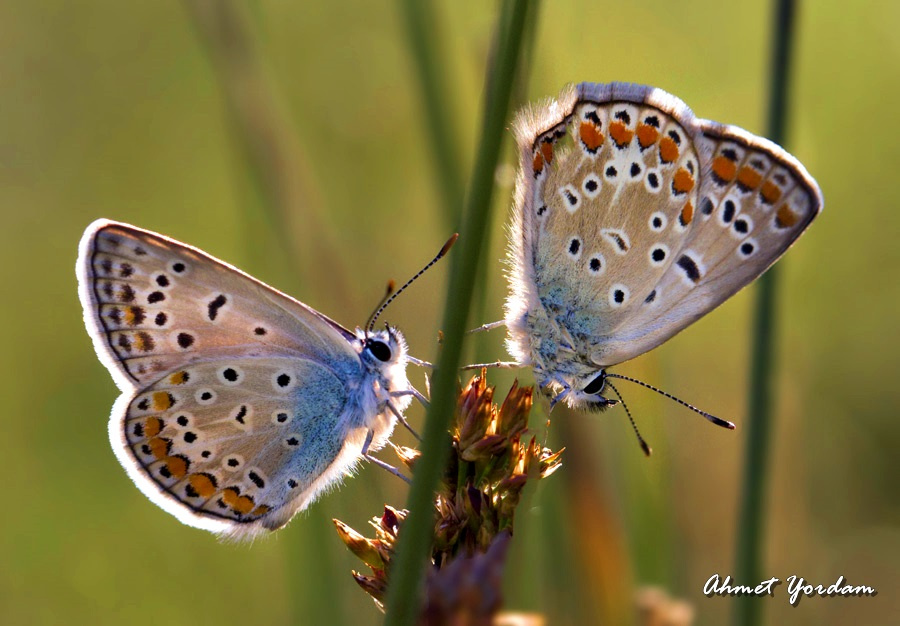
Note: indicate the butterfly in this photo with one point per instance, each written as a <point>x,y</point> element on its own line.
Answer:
<point>239,404</point>
<point>632,220</point>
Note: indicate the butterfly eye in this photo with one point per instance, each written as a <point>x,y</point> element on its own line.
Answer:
<point>596,385</point>
<point>379,350</point>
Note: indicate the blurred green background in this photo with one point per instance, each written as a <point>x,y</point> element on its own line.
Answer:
<point>119,110</point>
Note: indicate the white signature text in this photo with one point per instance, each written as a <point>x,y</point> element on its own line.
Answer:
<point>797,588</point>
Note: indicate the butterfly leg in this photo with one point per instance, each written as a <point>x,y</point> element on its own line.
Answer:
<point>498,364</point>
<point>419,362</point>
<point>371,459</point>
<point>485,327</point>
<point>415,393</point>
<point>558,398</point>
<point>402,419</point>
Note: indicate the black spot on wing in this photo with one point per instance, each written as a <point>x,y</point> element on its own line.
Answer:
<point>257,480</point>
<point>728,211</point>
<point>620,242</point>
<point>690,268</point>
<point>215,304</point>
<point>185,340</point>
<point>574,246</point>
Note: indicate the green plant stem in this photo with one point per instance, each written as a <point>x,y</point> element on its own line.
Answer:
<point>748,566</point>
<point>407,572</point>
<point>483,298</point>
<point>421,29</point>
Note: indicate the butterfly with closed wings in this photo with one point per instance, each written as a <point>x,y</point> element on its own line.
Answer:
<point>649,220</point>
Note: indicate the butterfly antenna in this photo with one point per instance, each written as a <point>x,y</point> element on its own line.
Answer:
<point>644,446</point>
<point>389,297</point>
<point>387,294</point>
<point>712,418</point>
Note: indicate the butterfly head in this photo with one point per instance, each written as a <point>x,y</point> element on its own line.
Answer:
<point>383,351</point>
<point>583,393</point>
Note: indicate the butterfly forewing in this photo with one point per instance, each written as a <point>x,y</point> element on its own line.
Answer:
<point>156,305</point>
<point>594,229</point>
<point>647,221</point>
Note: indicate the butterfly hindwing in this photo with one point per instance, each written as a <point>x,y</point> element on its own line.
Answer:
<point>753,201</point>
<point>241,439</point>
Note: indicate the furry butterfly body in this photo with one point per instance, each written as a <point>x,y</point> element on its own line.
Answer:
<point>649,220</point>
<point>239,404</point>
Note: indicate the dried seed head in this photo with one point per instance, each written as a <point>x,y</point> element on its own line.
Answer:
<point>368,550</point>
<point>474,506</point>
<point>408,456</point>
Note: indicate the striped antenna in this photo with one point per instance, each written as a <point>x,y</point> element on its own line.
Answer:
<point>712,418</point>
<point>391,294</point>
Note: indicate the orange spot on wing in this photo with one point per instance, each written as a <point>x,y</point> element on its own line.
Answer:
<point>152,426</point>
<point>668,150</point>
<point>749,177</point>
<point>770,192</point>
<point>162,400</point>
<point>230,496</point>
<point>178,378</point>
<point>203,485</point>
<point>241,504</point>
<point>262,509</point>
<point>134,315</point>
<point>724,168</point>
<point>647,135</point>
<point>687,214</point>
<point>159,447</point>
<point>620,133</point>
<point>177,466</point>
<point>547,151</point>
<point>683,181</point>
<point>785,217</point>
<point>538,163</point>
<point>590,135</point>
